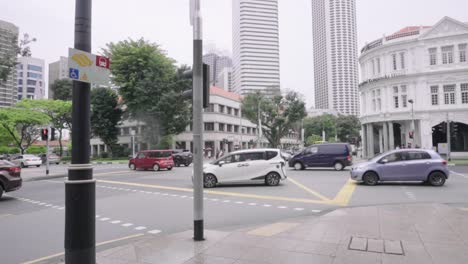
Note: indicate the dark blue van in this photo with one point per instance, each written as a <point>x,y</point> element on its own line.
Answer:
<point>336,155</point>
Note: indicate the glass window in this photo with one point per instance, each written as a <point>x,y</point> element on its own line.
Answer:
<point>221,108</point>
<point>449,94</point>
<point>34,75</point>
<point>394,157</point>
<point>236,129</point>
<point>31,90</point>
<point>271,154</point>
<point>464,92</point>
<point>20,81</point>
<point>20,96</point>
<point>394,60</point>
<point>433,56</point>
<point>236,112</point>
<point>229,110</point>
<point>418,155</point>
<point>31,82</point>
<point>311,150</point>
<point>395,89</point>
<point>253,156</point>
<point>209,126</point>
<point>141,156</point>
<point>34,68</point>
<point>210,108</point>
<point>404,100</point>
<point>402,60</point>
<point>378,65</point>
<point>396,101</point>
<point>447,55</point>
<point>462,52</point>
<point>435,95</point>
<point>229,128</point>
<point>221,126</point>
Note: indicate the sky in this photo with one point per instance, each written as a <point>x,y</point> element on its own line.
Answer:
<point>166,22</point>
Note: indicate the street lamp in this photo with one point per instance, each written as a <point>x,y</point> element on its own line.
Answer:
<point>132,133</point>
<point>412,118</point>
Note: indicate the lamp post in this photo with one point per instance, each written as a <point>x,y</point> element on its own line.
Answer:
<point>412,118</point>
<point>132,133</point>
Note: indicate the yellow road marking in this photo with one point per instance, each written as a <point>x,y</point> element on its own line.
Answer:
<point>344,195</point>
<point>98,244</point>
<point>273,229</point>
<point>244,195</point>
<point>108,173</point>
<point>305,188</point>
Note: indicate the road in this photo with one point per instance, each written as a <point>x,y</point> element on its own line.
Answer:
<point>132,204</point>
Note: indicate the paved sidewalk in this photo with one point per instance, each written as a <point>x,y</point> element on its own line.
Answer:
<point>413,234</point>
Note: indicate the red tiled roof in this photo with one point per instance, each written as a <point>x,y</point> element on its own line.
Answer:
<point>409,29</point>
<point>221,92</point>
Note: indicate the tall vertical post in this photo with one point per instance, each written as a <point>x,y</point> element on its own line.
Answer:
<point>80,188</point>
<point>47,151</point>
<point>448,138</point>
<point>197,121</point>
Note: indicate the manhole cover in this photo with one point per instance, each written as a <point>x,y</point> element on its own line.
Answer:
<point>376,245</point>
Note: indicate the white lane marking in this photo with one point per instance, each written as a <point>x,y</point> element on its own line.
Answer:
<point>459,174</point>
<point>215,200</point>
<point>97,216</point>
<point>252,204</point>
<point>267,205</point>
<point>299,209</point>
<point>127,224</point>
<point>48,205</point>
<point>174,195</point>
<point>239,202</point>
<point>140,228</point>
<point>42,203</point>
<point>316,211</point>
<point>61,208</point>
<point>104,219</point>
<point>183,196</point>
<point>226,201</point>
<point>282,207</point>
<point>154,232</point>
<point>116,222</point>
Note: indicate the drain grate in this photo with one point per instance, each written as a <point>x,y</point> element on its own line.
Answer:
<point>394,247</point>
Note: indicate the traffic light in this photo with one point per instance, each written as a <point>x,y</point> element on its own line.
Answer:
<point>411,134</point>
<point>44,134</point>
<point>206,85</point>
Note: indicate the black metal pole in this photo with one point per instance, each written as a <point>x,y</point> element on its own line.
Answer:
<point>80,196</point>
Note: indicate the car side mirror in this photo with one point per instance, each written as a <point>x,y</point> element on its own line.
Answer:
<point>221,163</point>
<point>384,161</point>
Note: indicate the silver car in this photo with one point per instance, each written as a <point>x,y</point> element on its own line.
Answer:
<point>403,165</point>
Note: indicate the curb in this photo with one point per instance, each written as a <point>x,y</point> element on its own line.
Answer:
<point>40,178</point>
<point>100,163</point>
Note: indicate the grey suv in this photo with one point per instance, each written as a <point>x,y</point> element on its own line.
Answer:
<point>403,165</point>
<point>10,177</point>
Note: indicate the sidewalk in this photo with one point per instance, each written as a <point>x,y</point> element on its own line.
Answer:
<point>413,234</point>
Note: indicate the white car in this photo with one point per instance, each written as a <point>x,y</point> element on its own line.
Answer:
<point>253,165</point>
<point>27,160</point>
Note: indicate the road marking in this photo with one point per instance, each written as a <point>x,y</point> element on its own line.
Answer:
<point>154,232</point>
<point>344,195</point>
<point>252,204</point>
<point>307,189</point>
<point>239,202</point>
<point>98,244</point>
<point>226,201</point>
<point>267,205</point>
<point>140,228</point>
<point>299,209</point>
<point>127,224</point>
<point>316,211</point>
<point>104,219</point>
<point>273,229</point>
<point>282,207</point>
<point>116,222</point>
<point>459,174</point>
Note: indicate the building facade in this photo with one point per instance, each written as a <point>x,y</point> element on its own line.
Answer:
<point>30,76</point>
<point>335,55</point>
<point>57,70</point>
<point>8,44</point>
<point>413,82</point>
<point>224,129</point>
<point>255,46</point>
<point>217,65</point>
<point>224,79</point>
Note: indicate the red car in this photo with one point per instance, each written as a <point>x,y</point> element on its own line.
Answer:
<point>152,159</point>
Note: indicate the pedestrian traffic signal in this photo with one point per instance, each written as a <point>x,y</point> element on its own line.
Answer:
<point>411,134</point>
<point>206,85</point>
<point>44,134</point>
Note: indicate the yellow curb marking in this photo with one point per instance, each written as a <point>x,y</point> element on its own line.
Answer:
<point>109,173</point>
<point>98,244</point>
<point>307,189</point>
<point>344,195</point>
<point>273,229</point>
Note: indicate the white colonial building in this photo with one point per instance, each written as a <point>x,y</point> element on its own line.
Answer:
<point>420,68</point>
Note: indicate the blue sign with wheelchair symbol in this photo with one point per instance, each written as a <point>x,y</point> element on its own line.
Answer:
<point>74,74</point>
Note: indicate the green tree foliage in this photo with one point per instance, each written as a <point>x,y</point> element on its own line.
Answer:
<point>58,111</point>
<point>62,89</point>
<point>312,139</point>
<point>8,61</point>
<point>23,125</point>
<point>345,127</point>
<point>5,138</point>
<point>105,116</point>
<point>151,87</point>
<point>278,114</point>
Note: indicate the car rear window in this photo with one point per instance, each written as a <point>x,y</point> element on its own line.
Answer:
<point>252,156</point>
<point>271,154</point>
<point>418,155</point>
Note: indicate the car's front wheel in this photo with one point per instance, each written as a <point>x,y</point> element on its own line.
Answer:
<point>132,166</point>
<point>272,179</point>
<point>370,178</point>
<point>209,181</point>
<point>436,178</point>
<point>156,167</point>
<point>298,166</point>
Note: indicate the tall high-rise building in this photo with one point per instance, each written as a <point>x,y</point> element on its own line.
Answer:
<point>255,46</point>
<point>30,74</point>
<point>335,55</point>
<point>57,70</point>
<point>217,63</point>
<point>8,44</point>
<point>224,79</point>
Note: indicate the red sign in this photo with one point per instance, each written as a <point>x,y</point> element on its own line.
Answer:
<point>102,62</point>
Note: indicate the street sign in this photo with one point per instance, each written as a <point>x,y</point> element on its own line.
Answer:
<point>87,67</point>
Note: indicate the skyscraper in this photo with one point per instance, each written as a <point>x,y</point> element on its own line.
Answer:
<point>57,70</point>
<point>30,73</point>
<point>8,44</point>
<point>335,55</point>
<point>217,64</point>
<point>255,46</point>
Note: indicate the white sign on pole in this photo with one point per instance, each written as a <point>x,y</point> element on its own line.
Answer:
<point>87,67</point>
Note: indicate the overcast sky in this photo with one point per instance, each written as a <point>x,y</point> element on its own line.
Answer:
<point>166,22</point>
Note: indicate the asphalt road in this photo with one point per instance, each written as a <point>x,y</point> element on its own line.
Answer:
<point>131,204</point>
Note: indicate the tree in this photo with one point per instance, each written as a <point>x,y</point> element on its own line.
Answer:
<point>62,89</point>
<point>277,114</point>
<point>315,125</point>
<point>312,139</point>
<point>150,86</point>
<point>105,116</point>
<point>348,128</point>
<point>58,111</point>
<point>22,125</point>
<point>8,61</point>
